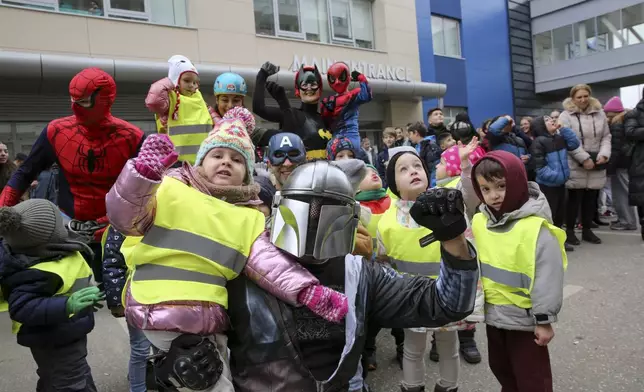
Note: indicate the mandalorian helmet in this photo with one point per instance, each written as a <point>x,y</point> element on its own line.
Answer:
<point>315,215</point>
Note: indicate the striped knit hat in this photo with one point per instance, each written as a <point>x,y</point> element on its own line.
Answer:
<point>32,224</point>
<point>230,133</point>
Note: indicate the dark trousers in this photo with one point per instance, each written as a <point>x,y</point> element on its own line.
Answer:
<point>95,262</point>
<point>556,197</point>
<point>518,363</point>
<point>64,369</point>
<point>587,200</point>
<point>372,333</point>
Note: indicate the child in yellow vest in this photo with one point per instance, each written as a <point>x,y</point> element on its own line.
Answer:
<point>201,228</point>
<point>522,260</point>
<point>179,107</point>
<point>398,239</point>
<point>46,282</point>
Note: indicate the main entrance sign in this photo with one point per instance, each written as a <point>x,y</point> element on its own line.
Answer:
<point>370,70</point>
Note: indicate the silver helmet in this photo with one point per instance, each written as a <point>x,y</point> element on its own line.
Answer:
<point>315,215</point>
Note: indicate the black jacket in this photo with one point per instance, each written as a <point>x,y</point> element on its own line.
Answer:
<point>430,152</point>
<point>32,302</point>
<point>634,126</point>
<point>265,356</point>
<point>381,165</point>
<point>620,148</point>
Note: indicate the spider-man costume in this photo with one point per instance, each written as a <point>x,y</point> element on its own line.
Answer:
<point>305,122</point>
<point>91,148</point>
<point>340,111</point>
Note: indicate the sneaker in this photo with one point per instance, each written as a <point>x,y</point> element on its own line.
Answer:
<point>619,226</point>
<point>588,236</point>
<point>470,353</point>
<point>440,388</point>
<point>571,238</point>
<point>433,353</point>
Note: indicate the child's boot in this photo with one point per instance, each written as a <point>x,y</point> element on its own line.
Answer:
<point>420,388</point>
<point>469,351</point>
<point>439,388</point>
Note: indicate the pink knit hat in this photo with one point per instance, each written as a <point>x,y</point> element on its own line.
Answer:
<point>614,105</point>
<point>452,161</point>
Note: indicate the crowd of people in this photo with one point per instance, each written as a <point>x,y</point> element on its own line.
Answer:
<point>248,259</point>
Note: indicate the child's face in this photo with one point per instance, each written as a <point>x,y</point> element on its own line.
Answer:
<point>436,118</point>
<point>4,153</point>
<point>441,169</point>
<point>371,182</point>
<point>551,125</point>
<point>224,166</point>
<point>189,83</point>
<point>447,143</point>
<point>399,134</point>
<point>493,191</point>
<point>225,102</point>
<point>388,140</point>
<point>411,179</point>
<point>344,154</point>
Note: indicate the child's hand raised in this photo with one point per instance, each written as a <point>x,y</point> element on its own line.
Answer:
<point>157,154</point>
<point>464,150</point>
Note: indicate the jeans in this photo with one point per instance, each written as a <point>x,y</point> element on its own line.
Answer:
<point>414,358</point>
<point>627,214</point>
<point>587,200</point>
<point>605,202</point>
<point>64,368</point>
<point>139,352</point>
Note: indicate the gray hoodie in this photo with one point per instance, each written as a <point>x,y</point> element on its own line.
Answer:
<point>547,291</point>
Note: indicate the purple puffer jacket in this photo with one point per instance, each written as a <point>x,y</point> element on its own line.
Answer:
<point>131,207</point>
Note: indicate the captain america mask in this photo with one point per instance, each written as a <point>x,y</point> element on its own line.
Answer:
<point>286,146</point>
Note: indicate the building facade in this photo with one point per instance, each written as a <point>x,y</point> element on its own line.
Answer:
<point>43,43</point>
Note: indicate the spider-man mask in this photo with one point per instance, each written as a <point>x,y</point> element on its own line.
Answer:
<point>339,77</point>
<point>92,91</point>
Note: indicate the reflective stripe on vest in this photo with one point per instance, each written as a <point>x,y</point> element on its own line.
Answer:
<point>191,126</point>
<point>193,247</point>
<point>404,249</point>
<point>508,259</point>
<point>72,270</point>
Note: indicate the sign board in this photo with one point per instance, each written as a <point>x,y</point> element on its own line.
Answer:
<point>370,70</point>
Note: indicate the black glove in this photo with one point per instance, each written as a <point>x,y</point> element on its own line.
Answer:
<point>276,91</point>
<point>441,211</point>
<point>192,362</point>
<point>355,75</point>
<point>270,68</point>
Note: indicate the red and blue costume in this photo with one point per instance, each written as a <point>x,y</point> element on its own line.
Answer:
<point>340,111</point>
<point>91,148</point>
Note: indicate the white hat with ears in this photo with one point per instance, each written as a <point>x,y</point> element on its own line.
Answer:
<point>179,64</point>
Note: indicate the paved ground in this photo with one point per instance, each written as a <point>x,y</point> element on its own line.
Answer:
<point>599,346</point>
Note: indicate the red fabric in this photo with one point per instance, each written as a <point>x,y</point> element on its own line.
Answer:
<point>377,206</point>
<point>516,189</point>
<point>339,77</point>
<point>9,197</point>
<point>98,85</point>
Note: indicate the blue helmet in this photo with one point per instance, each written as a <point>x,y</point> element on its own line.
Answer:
<point>286,145</point>
<point>230,83</point>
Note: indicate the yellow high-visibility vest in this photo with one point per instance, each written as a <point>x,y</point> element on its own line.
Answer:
<point>73,271</point>
<point>452,183</point>
<point>391,194</point>
<point>196,244</point>
<point>508,259</point>
<point>191,127</point>
<point>404,249</point>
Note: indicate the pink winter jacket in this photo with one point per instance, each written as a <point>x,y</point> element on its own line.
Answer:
<point>131,207</point>
<point>158,101</point>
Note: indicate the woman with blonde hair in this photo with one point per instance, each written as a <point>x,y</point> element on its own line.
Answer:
<point>584,115</point>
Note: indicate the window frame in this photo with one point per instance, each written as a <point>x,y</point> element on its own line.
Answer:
<point>333,38</point>
<point>284,33</point>
<point>34,3</point>
<point>108,11</point>
<point>144,16</point>
<point>444,43</point>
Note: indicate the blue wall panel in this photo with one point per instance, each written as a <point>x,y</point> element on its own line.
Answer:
<point>486,48</point>
<point>425,47</point>
<point>451,71</point>
<point>449,8</point>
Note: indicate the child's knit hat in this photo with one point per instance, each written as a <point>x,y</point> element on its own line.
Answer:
<point>230,133</point>
<point>614,105</point>
<point>35,227</point>
<point>338,144</point>
<point>177,65</point>
<point>452,161</point>
<point>243,114</point>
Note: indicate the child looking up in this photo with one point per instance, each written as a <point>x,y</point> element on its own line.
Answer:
<point>523,261</point>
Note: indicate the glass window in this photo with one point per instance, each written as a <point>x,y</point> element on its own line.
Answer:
<point>450,112</point>
<point>446,36</point>
<point>633,24</point>
<point>543,48</point>
<point>128,5</point>
<point>289,16</point>
<point>343,22</point>
<point>315,20</point>
<point>362,26</point>
<point>563,43</point>
<point>340,19</point>
<point>585,38</point>
<point>264,17</point>
<point>609,30</point>
<point>170,12</point>
<point>41,4</point>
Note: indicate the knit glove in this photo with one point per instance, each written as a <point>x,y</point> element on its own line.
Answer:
<point>84,298</point>
<point>324,302</point>
<point>157,154</point>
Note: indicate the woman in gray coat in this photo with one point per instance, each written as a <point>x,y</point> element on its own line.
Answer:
<point>584,115</point>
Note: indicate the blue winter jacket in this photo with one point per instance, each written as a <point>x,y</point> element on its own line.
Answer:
<point>512,142</point>
<point>114,268</point>
<point>32,302</point>
<point>550,153</point>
